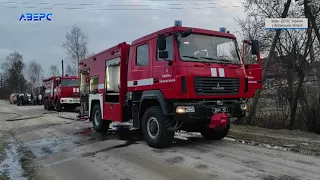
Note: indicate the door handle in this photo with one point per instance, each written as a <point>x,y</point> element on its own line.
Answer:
<point>135,82</point>
<point>155,80</point>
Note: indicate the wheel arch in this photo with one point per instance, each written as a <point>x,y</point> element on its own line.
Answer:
<point>93,100</point>
<point>151,98</point>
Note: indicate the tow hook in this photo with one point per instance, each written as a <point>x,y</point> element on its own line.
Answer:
<point>219,120</point>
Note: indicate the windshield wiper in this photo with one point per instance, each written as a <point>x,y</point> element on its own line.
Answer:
<point>192,57</point>
<point>219,60</point>
<point>200,58</point>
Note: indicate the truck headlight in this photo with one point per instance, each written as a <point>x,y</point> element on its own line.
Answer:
<point>244,106</point>
<point>185,109</point>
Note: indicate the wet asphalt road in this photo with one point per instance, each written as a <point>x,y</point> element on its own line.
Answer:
<point>66,149</point>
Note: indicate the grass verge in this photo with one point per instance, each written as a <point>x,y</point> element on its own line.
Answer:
<point>296,141</point>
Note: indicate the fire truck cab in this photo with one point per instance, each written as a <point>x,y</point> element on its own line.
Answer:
<point>61,92</point>
<point>178,78</point>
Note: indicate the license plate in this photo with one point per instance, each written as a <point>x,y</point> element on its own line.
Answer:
<point>220,109</point>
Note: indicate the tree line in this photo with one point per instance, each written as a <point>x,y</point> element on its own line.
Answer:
<point>17,76</point>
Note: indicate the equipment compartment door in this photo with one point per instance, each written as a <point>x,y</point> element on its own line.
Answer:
<point>252,66</point>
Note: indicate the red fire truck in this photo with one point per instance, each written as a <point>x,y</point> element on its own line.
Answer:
<point>61,92</point>
<point>178,78</point>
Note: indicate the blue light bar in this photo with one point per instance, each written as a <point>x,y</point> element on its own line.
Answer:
<point>223,29</point>
<point>177,23</point>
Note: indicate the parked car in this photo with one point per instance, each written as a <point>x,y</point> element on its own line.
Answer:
<point>21,100</point>
<point>29,99</point>
<point>13,98</point>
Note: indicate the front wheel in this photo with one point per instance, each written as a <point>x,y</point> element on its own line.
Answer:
<point>215,134</point>
<point>155,128</point>
<point>99,124</point>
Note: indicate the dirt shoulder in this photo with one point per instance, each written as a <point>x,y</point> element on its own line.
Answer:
<point>296,141</point>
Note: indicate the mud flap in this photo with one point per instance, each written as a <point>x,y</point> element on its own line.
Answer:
<point>219,120</point>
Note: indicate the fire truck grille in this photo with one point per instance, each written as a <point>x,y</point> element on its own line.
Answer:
<point>216,86</point>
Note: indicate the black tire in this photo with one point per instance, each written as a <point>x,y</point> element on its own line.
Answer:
<point>163,137</point>
<point>99,125</point>
<point>58,106</point>
<point>215,134</point>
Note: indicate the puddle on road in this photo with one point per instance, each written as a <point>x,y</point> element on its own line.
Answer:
<point>47,146</point>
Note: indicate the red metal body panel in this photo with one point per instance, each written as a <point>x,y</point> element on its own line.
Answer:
<point>96,65</point>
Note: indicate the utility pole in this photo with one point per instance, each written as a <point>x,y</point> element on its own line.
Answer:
<point>62,67</point>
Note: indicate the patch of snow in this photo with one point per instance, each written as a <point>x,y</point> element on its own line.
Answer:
<point>11,163</point>
<point>289,145</point>
<point>305,144</point>
<point>230,139</point>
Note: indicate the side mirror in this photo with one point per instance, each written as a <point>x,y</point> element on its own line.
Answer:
<point>161,42</point>
<point>163,54</point>
<point>186,33</point>
<point>254,47</point>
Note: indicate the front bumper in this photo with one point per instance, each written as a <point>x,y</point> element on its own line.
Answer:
<point>70,100</point>
<point>204,110</point>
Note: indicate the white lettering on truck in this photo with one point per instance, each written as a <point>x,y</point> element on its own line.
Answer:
<point>166,80</point>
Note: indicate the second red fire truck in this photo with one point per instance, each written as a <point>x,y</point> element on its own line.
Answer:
<point>178,78</point>
<point>61,92</point>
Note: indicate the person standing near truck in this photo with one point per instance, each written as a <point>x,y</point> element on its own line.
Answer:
<point>40,99</point>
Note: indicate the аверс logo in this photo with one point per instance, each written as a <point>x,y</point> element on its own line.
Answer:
<point>35,16</point>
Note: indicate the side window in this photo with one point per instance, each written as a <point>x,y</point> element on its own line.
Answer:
<point>93,87</point>
<point>248,57</point>
<point>142,55</point>
<point>169,48</point>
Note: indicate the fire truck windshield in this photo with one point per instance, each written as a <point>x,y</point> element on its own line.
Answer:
<point>211,49</point>
<point>69,82</point>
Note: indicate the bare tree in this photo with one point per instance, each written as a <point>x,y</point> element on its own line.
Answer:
<point>260,10</point>
<point>71,70</point>
<point>34,73</point>
<point>76,46</point>
<point>54,71</point>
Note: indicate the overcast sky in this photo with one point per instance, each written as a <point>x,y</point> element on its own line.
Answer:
<point>42,41</point>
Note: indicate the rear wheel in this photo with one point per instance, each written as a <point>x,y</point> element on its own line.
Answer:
<point>215,134</point>
<point>99,124</point>
<point>155,128</point>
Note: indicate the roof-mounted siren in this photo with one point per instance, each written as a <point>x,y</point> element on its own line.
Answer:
<point>223,29</point>
<point>177,23</point>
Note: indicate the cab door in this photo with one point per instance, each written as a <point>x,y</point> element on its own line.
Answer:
<point>162,71</point>
<point>252,62</point>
